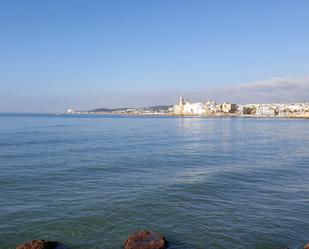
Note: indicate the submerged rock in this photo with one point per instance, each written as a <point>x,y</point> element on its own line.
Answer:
<point>306,246</point>
<point>145,240</point>
<point>40,244</point>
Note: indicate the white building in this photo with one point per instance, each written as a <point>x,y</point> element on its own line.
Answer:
<point>70,111</point>
<point>189,108</point>
<point>266,111</point>
<point>194,108</point>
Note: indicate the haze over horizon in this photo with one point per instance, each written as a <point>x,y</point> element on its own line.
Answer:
<point>56,55</point>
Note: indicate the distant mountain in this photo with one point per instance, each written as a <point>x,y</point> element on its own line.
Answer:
<point>152,108</point>
<point>159,107</point>
<point>108,109</point>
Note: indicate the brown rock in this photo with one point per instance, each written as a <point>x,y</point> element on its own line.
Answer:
<point>145,240</point>
<point>306,246</point>
<point>39,244</point>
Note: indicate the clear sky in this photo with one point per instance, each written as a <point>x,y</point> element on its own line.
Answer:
<point>59,54</point>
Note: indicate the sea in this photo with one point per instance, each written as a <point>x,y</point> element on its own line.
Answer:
<point>204,183</point>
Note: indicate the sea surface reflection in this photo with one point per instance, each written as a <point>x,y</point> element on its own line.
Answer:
<point>203,182</point>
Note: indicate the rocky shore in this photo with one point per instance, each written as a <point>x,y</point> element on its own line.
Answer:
<point>144,239</point>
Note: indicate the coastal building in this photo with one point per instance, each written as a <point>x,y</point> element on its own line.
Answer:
<point>228,108</point>
<point>212,107</point>
<point>188,108</point>
<point>70,111</point>
<point>267,110</point>
<point>209,108</point>
<point>194,108</point>
<point>245,110</point>
<point>178,109</point>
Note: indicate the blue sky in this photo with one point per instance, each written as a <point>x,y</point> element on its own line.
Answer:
<point>88,54</point>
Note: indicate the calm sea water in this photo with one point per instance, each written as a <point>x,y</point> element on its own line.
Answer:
<point>204,183</point>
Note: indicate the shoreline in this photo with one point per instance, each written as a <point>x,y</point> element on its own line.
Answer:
<point>160,115</point>
<point>193,116</point>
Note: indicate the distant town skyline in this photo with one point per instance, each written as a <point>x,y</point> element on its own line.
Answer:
<point>56,55</point>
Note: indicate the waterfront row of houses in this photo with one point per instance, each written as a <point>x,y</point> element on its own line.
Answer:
<point>275,109</point>
<point>186,107</point>
<point>210,108</point>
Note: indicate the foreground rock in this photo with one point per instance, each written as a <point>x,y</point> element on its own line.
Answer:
<point>40,244</point>
<point>145,240</point>
<point>306,246</point>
